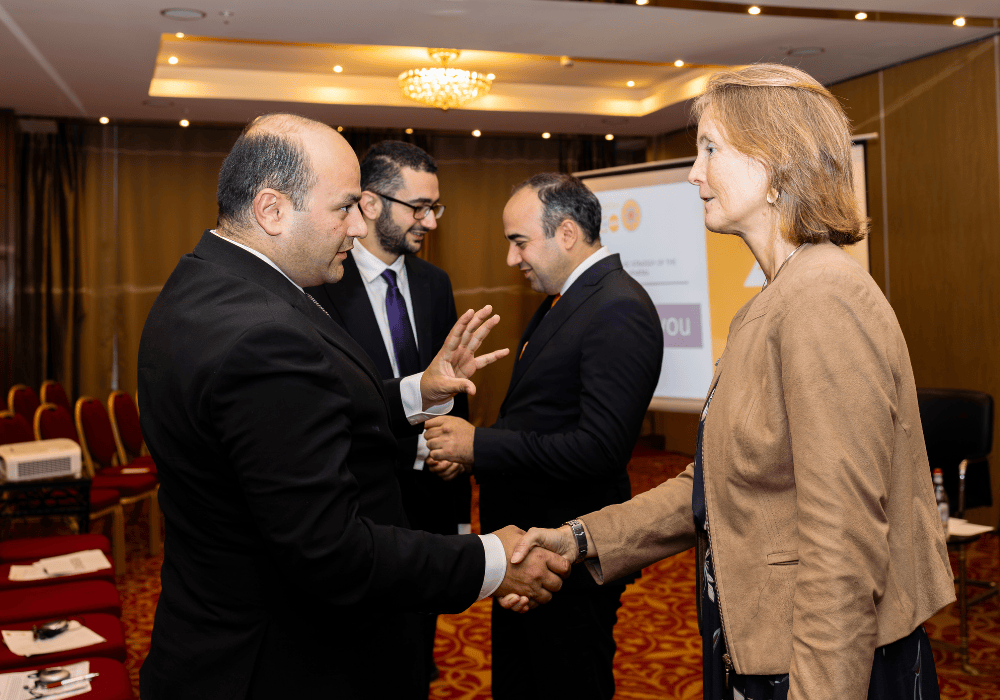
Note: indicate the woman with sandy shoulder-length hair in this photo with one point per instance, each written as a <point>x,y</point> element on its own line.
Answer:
<point>820,548</point>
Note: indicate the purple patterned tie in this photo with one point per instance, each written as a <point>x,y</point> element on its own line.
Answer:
<point>407,359</point>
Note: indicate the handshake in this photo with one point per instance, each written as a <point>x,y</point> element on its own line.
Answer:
<point>537,563</point>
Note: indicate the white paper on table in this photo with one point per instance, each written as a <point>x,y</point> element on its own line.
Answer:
<point>76,563</point>
<point>135,470</point>
<point>12,685</point>
<point>23,642</point>
<point>963,528</point>
<point>26,572</point>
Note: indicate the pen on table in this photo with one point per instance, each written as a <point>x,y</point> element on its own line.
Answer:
<point>67,681</point>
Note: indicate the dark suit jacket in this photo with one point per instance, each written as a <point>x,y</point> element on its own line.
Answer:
<point>273,438</point>
<point>575,405</point>
<point>431,504</point>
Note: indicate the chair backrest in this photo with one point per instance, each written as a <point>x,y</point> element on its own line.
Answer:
<point>125,424</point>
<point>52,422</point>
<point>53,392</point>
<point>957,425</point>
<point>97,440</point>
<point>13,428</point>
<point>23,400</point>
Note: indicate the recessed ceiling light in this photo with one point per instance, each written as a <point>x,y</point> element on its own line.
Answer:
<point>861,15</point>
<point>409,131</point>
<point>338,69</point>
<point>679,63</point>
<point>609,137</point>
<point>185,122</point>
<point>340,128</point>
<point>477,133</point>
<point>183,14</point>
<point>959,22</point>
<point>546,135</point>
<point>631,83</point>
<point>172,60</point>
<point>805,51</point>
<point>104,120</point>
<point>491,76</point>
<point>179,35</point>
<point>641,2</point>
<point>754,10</point>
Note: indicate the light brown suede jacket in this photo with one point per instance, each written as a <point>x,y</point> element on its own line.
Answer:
<point>825,534</point>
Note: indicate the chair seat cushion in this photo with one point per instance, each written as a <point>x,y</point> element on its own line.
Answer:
<point>59,600</point>
<point>125,484</point>
<point>6,584</point>
<point>103,498</point>
<point>107,626</point>
<point>35,548</point>
<point>112,684</point>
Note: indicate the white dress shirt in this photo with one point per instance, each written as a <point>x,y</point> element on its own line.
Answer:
<point>588,263</point>
<point>409,390</point>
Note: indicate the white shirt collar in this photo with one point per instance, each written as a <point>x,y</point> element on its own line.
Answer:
<point>594,258</point>
<point>372,267</point>
<point>261,256</point>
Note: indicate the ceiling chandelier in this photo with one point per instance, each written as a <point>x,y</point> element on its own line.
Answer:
<point>444,87</point>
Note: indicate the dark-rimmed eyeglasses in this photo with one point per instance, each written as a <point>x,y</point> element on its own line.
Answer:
<point>420,211</point>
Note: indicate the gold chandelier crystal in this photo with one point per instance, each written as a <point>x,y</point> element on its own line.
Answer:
<point>444,87</point>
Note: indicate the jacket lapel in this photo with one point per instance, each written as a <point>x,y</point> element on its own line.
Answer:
<point>255,271</point>
<point>420,295</point>
<point>354,306</point>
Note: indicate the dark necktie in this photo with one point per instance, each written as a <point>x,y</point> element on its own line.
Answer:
<point>403,342</point>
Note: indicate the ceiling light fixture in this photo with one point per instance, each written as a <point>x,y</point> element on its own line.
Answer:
<point>104,120</point>
<point>179,35</point>
<point>546,135</point>
<point>754,10</point>
<point>630,83</point>
<point>679,63</point>
<point>409,131</point>
<point>609,137</point>
<point>184,122</point>
<point>183,14</point>
<point>959,22</point>
<point>340,128</point>
<point>641,2</point>
<point>477,133</point>
<point>172,60</point>
<point>861,15</point>
<point>338,69</point>
<point>444,87</point>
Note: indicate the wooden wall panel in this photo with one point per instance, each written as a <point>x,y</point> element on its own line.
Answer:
<point>8,238</point>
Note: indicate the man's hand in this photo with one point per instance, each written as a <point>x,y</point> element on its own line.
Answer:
<point>558,543</point>
<point>446,470</point>
<point>450,438</point>
<point>532,581</point>
<point>449,371</point>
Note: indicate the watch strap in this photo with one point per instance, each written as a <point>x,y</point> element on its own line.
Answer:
<point>576,527</point>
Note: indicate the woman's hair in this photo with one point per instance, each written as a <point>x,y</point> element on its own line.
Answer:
<point>783,118</point>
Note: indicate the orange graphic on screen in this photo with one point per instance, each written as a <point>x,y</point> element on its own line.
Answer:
<point>613,223</point>
<point>631,215</point>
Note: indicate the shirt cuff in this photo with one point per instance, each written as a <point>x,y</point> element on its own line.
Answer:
<point>496,565</point>
<point>413,402</point>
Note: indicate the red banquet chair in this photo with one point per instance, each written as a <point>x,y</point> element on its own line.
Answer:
<point>53,392</point>
<point>51,422</point>
<point>103,624</point>
<point>112,683</point>
<point>100,452</point>
<point>23,400</point>
<point>14,428</point>
<point>35,548</point>
<point>124,416</point>
<point>58,601</point>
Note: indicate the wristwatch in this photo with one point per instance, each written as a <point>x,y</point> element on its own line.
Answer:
<point>581,539</point>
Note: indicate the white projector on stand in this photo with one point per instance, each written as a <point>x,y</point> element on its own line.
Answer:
<point>42,459</point>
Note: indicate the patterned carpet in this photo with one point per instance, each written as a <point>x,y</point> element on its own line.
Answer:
<point>659,652</point>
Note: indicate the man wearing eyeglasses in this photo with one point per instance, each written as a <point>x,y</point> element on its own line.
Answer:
<point>400,308</point>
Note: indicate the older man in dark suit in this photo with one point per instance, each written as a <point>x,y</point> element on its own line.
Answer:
<point>400,309</point>
<point>586,370</point>
<point>285,565</point>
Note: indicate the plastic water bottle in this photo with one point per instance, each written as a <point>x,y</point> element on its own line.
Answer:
<point>942,500</point>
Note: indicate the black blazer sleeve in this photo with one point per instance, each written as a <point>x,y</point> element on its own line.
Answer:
<point>301,495</point>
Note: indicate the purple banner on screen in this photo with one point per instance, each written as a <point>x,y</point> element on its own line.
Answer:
<point>681,325</point>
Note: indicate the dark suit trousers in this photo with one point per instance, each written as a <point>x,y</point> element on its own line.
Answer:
<point>563,649</point>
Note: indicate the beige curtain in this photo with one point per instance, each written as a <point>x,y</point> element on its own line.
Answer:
<point>150,194</point>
